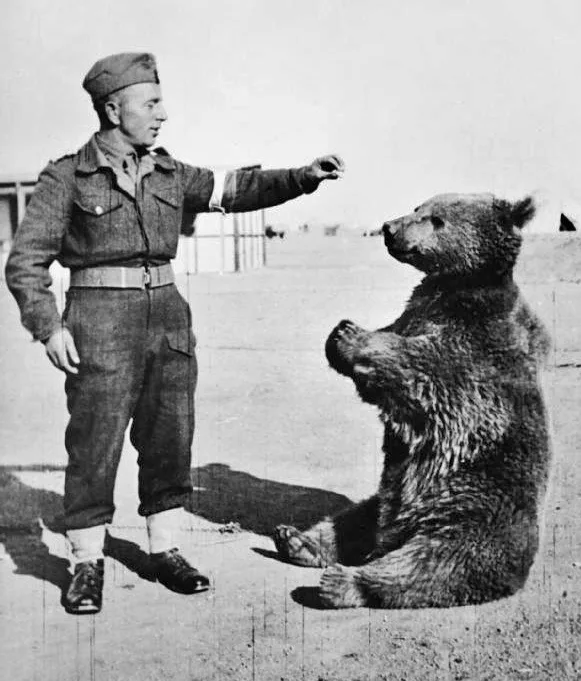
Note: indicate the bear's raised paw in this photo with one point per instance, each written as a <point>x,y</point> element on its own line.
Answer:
<point>346,330</point>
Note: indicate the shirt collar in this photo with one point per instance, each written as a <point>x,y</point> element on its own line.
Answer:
<point>92,158</point>
<point>114,149</point>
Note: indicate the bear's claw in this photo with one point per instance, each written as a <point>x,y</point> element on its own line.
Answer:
<point>296,547</point>
<point>338,349</point>
<point>346,328</point>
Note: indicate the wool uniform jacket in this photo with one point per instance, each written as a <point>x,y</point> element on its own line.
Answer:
<point>79,216</point>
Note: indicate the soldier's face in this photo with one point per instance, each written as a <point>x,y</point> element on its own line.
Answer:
<point>140,113</point>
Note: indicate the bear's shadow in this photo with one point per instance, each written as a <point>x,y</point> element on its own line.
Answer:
<point>221,495</point>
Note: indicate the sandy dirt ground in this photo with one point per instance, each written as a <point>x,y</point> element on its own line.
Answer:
<point>280,438</point>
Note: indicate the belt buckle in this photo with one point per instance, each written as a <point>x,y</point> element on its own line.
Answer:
<point>146,277</point>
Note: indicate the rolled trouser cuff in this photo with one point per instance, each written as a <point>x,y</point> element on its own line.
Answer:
<point>167,501</point>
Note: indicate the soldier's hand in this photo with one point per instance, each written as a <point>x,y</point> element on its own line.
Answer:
<point>61,351</point>
<point>329,167</point>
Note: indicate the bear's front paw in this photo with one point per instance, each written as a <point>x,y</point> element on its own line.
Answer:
<point>339,589</point>
<point>340,346</point>
<point>346,330</point>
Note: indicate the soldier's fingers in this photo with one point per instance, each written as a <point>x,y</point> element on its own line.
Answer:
<point>63,363</point>
<point>69,368</point>
<point>327,164</point>
<point>55,359</point>
<point>339,161</point>
<point>71,350</point>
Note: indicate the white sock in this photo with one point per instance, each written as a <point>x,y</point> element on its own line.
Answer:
<point>163,529</point>
<point>86,543</point>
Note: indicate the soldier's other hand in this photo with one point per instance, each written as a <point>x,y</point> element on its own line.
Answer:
<point>329,167</point>
<point>61,351</point>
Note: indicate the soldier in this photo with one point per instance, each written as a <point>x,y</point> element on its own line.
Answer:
<point>112,213</point>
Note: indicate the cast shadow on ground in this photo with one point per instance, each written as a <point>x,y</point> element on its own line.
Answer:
<point>309,596</point>
<point>25,510</point>
<point>222,495</point>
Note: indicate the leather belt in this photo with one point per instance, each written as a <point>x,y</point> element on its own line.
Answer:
<point>123,277</point>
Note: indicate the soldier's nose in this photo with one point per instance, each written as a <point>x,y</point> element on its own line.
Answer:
<point>162,113</point>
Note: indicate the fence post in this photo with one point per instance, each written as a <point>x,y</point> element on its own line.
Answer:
<point>236,237</point>
<point>263,236</point>
<point>20,203</point>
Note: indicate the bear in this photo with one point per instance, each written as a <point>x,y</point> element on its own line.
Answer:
<point>457,382</point>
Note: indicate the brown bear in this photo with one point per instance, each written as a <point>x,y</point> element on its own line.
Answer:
<point>466,443</point>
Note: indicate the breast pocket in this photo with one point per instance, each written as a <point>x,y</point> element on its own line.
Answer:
<point>97,209</point>
<point>97,225</point>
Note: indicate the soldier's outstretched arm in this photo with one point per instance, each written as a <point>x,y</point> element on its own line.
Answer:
<point>249,189</point>
<point>246,190</point>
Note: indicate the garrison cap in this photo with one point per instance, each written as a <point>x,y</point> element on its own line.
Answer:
<point>118,71</point>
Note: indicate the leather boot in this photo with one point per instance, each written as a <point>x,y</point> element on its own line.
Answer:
<point>173,571</point>
<point>85,593</point>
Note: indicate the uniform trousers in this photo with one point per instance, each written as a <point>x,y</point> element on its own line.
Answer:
<point>137,364</point>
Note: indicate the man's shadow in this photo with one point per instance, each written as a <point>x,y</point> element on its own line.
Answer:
<point>24,513</point>
<point>221,495</point>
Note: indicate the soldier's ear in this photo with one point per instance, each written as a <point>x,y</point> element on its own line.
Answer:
<point>522,211</point>
<point>112,109</point>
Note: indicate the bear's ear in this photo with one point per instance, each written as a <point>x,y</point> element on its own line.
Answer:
<point>522,211</point>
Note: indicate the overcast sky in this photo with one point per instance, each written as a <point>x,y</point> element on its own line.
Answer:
<point>418,96</point>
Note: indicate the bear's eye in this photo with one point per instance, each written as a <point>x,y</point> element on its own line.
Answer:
<point>437,222</point>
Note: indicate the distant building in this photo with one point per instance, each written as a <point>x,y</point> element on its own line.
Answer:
<point>331,230</point>
<point>270,232</point>
<point>566,224</point>
<point>556,212</point>
<point>373,232</point>
<point>14,194</point>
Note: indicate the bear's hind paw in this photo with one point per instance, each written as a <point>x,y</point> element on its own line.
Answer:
<point>295,547</point>
<point>339,589</point>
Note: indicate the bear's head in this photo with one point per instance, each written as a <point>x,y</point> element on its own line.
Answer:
<point>460,235</point>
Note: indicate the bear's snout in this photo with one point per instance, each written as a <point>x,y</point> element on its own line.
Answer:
<point>403,237</point>
<point>396,239</point>
<point>389,230</point>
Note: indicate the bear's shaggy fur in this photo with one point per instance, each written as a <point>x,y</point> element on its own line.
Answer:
<point>466,444</point>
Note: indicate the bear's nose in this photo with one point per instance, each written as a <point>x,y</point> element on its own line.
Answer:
<point>389,230</point>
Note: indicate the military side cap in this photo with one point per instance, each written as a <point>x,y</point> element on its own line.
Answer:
<point>119,71</point>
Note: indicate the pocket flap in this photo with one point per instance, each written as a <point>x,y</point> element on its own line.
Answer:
<point>97,205</point>
<point>182,341</point>
<point>169,196</point>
